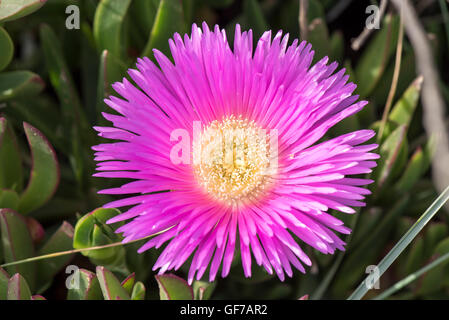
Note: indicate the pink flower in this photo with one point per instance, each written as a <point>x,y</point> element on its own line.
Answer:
<point>207,209</point>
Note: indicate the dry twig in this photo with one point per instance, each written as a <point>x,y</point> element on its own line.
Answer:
<point>358,42</point>
<point>432,100</point>
<point>303,24</point>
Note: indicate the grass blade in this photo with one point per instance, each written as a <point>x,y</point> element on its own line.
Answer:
<point>412,277</point>
<point>392,255</point>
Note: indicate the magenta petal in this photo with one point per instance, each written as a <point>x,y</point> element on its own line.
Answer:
<point>275,87</point>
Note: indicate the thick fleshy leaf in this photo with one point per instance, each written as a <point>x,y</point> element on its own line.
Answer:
<point>62,81</point>
<point>110,285</point>
<point>92,230</point>
<point>435,233</point>
<point>138,262</point>
<point>169,19</point>
<point>37,232</point>
<point>75,127</point>
<point>202,290</point>
<point>44,114</point>
<point>388,129</point>
<point>376,56</point>
<point>318,36</point>
<point>337,45</point>
<point>390,154</point>
<point>11,171</point>
<point>17,244</point>
<point>128,283</point>
<point>144,12</point>
<point>44,178</point>
<point>38,297</point>
<point>15,84</point>
<point>4,278</point>
<point>61,240</point>
<point>366,253</point>
<point>14,9</point>
<point>84,286</point>
<point>415,256</point>
<point>435,279</point>
<point>111,70</point>
<point>89,72</point>
<point>18,288</point>
<point>254,17</point>
<point>9,199</point>
<point>421,250</point>
<point>417,166</point>
<point>365,224</point>
<point>406,76</point>
<point>109,26</point>
<point>403,110</point>
<point>6,48</point>
<point>172,287</point>
<point>138,291</point>
<point>58,70</point>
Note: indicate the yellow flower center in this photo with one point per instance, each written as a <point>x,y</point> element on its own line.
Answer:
<point>234,160</point>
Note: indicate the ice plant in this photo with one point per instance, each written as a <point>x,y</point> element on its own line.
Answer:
<point>209,209</point>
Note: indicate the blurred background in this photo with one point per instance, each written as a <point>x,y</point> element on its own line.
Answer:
<point>58,59</point>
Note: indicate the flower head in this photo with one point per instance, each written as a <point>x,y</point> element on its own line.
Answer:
<point>224,149</point>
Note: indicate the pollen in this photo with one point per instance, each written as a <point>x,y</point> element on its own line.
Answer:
<point>234,160</point>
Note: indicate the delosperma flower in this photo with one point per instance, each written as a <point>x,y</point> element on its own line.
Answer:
<point>224,147</point>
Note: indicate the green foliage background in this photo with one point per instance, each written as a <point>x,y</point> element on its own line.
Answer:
<point>52,84</point>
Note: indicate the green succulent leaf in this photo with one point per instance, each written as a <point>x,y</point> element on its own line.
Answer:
<point>144,12</point>
<point>37,232</point>
<point>84,285</point>
<point>109,26</point>
<point>169,19</point>
<point>415,256</point>
<point>318,36</point>
<point>390,154</point>
<point>337,46</point>
<point>254,17</point>
<point>73,117</point>
<point>403,110</point>
<point>37,297</point>
<point>44,178</point>
<point>9,199</point>
<point>417,166</point>
<point>61,240</point>
<point>367,251</point>
<point>138,292</point>
<point>203,290</point>
<point>406,75</point>
<point>18,288</point>
<point>6,48</point>
<point>172,287</point>
<point>111,70</point>
<point>4,278</point>
<point>15,9</point>
<point>435,233</point>
<point>128,283</point>
<point>15,84</point>
<point>376,56</point>
<point>17,244</point>
<point>436,278</point>
<point>11,172</point>
<point>92,230</point>
<point>110,285</point>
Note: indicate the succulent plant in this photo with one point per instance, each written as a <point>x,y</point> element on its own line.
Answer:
<point>53,81</point>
